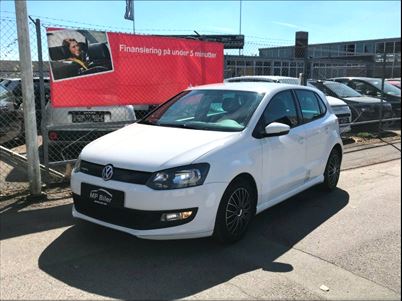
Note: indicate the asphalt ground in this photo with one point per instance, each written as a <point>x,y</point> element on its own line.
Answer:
<point>348,240</point>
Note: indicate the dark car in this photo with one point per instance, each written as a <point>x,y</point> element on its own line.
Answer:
<point>13,86</point>
<point>11,117</point>
<point>363,108</point>
<point>372,87</point>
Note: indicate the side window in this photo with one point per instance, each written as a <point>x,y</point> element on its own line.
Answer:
<point>364,88</point>
<point>309,105</point>
<point>282,109</point>
<point>358,86</point>
<point>323,108</point>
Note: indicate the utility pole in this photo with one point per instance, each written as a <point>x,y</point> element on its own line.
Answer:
<point>133,19</point>
<point>31,134</point>
<point>301,52</point>
<point>240,13</point>
<point>384,69</point>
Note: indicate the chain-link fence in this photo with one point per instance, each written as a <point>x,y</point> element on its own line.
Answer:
<point>345,74</point>
<point>13,171</point>
<point>355,73</point>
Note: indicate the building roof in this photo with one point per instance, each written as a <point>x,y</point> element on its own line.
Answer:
<point>343,42</point>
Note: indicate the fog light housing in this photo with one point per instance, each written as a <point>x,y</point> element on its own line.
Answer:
<point>176,216</point>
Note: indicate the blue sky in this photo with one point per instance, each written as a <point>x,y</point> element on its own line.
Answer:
<point>266,21</point>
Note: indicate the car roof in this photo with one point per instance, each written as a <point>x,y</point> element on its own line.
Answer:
<point>268,77</point>
<point>357,77</point>
<point>260,87</point>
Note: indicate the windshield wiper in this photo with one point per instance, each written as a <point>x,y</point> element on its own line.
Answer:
<point>177,125</point>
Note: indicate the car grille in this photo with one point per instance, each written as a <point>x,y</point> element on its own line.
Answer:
<point>119,174</point>
<point>125,217</point>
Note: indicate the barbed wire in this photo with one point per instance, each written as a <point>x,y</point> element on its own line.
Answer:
<point>48,21</point>
<point>259,47</point>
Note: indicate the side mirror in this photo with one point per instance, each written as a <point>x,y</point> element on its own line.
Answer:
<point>276,129</point>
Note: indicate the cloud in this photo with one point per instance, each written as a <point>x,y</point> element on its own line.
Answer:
<point>285,24</point>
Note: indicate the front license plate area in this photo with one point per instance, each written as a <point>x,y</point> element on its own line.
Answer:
<point>102,196</point>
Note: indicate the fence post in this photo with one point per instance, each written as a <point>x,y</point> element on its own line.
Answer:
<point>45,137</point>
<point>24,48</point>
<point>382,90</point>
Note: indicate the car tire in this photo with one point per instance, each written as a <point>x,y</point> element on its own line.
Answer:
<point>332,170</point>
<point>236,211</point>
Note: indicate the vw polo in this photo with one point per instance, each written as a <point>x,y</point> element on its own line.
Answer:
<point>208,160</point>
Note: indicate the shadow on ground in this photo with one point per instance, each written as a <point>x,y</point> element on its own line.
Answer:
<point>115,265</point>
<point>16,220</point>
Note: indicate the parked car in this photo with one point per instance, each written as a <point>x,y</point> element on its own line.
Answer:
<point>340,108</point>
<point>396,82</point>
<point>363,108</point>
<point>372,87</point>
<point>11,117</point>
<point>209,159</point>
<point>71,128</point>
<point>13,85</point>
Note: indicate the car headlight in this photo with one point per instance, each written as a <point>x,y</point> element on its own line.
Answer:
<point>77,165</point>
<point>179,177</point>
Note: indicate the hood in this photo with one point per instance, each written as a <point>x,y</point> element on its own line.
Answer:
<point>364,99</point>
<point>333,101</point>
<point>151,148</point>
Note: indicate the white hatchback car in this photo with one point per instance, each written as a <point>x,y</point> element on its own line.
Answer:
<point>209,159</point>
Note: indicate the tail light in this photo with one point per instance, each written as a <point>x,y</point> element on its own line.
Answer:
<point>53,136</point>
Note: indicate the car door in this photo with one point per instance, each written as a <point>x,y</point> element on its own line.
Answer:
<point>315,128</point>
<point>283,156</point>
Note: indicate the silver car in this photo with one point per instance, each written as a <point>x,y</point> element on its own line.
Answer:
<point>70,129</point>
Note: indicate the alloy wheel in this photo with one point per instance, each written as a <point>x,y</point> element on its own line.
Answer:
<point>238,211</point>
<point>334,169</point>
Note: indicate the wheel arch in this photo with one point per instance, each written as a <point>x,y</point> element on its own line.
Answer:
<point>338,147</point>
<point>249,178</point>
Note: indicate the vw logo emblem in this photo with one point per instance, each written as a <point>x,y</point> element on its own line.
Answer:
<point>107,172</point>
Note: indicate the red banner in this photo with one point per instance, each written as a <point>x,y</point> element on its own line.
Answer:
<point>91,68</point>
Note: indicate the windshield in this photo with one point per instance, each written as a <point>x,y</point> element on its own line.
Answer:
<point>214,110</point>
<point>388,88</point>
<point>341,90</point>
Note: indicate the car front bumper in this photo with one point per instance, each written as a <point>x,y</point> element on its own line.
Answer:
<point>143,206</point>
